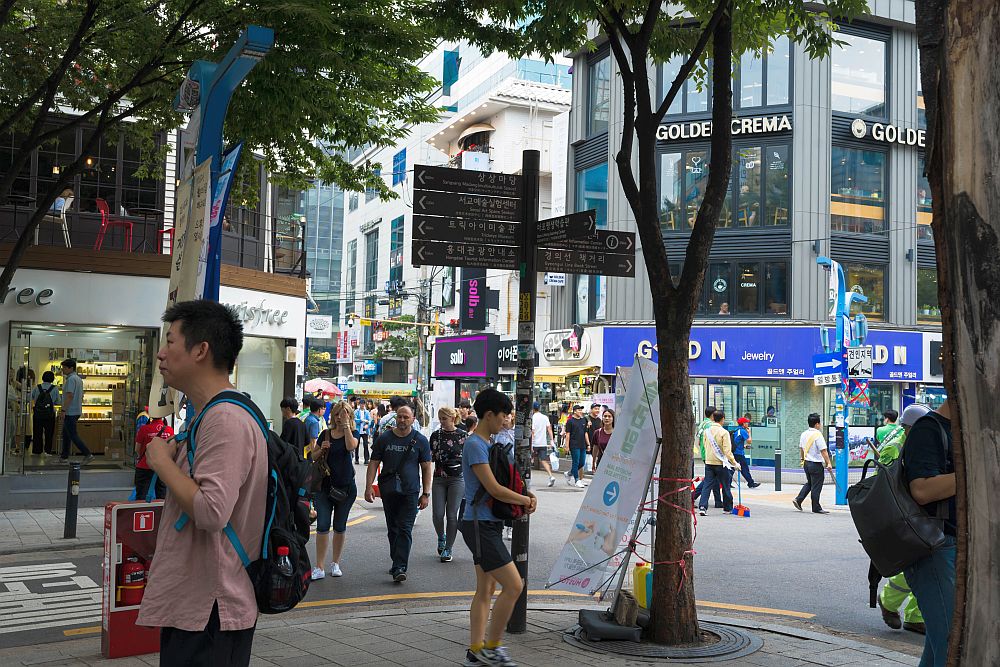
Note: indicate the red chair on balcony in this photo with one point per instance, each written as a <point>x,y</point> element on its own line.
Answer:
<point>107,221</point>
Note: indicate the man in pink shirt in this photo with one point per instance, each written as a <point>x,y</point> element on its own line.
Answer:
<point>198,591</point>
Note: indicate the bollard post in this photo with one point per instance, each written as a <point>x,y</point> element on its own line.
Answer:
<point>777,470</point>
<point>72,501</point>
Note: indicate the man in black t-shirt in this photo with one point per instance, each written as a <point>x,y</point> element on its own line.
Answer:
<point>293,430</point>
<point>577,440</point>
<point>930,472</point>
<point>594,423</point>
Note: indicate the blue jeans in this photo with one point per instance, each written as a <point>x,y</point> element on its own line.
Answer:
<point>330,514</point>
<point>69,433</point>
<point>400,512</point>
<point>932,580</point>
<point>579,459</point>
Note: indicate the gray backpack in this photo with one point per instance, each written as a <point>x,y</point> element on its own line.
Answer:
<point>895,531</point>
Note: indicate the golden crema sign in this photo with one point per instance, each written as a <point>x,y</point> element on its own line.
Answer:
<point>700,129</point>
<point>889,134</point>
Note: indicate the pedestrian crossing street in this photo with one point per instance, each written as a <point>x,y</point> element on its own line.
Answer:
<point>46,595</point>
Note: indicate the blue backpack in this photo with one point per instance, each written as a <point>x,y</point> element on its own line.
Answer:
<point>286,518</point>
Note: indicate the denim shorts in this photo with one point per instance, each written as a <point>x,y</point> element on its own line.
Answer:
<point>333,514</point>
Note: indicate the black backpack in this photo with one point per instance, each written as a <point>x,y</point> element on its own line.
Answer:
<point>286,517</point>
<point>44,407</point>
<point>507,475</point>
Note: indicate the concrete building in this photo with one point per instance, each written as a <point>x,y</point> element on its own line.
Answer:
<point>827,160</point>
<point>496,108</point>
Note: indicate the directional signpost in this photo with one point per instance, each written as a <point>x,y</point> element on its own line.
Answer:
<point>432,228</point>
<point>464,205</point>
<point>465,254</point>
<point>583,261</point>
<point>557,231</point>
<point>827,368</point>
<point>860,362</point>
<point>447,179</point>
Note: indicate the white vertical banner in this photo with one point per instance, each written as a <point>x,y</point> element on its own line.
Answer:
<point>615,492</point>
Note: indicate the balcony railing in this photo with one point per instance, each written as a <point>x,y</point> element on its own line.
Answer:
<point>241,243</point>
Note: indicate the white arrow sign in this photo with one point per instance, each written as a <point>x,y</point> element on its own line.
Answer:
<point>833,363</point>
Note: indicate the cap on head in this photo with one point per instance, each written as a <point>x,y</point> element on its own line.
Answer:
<point>742,421</point>
<point>912,413</point>
<point>537,405</point>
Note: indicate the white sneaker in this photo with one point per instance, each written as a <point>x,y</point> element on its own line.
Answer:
<point>335,570</point>
<point>569,478</point>
<point>580,485</point>
<point>318,573</point>
<point>552,481</point>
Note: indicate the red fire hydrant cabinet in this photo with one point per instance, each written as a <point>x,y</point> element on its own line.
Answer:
<point>130,530</point>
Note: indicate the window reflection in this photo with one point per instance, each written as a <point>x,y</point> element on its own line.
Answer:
<point>599,95</point>
<point>748,289</point>
<point>927,296</point>
<point>751,80</point>
<point>925,212</point>
<point>857,199</point>
<point>868,281</point>
<point>858,75</point>
<point>672,191</point>
<point>592,193</point>
<point>775,288</point>
<point>778,65</point>
<point>747,176</point>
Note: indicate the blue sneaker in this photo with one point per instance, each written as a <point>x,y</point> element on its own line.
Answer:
<point>446,555</point>
<point>442,545</point>
<point>497,657</point>
<point>471,660</point>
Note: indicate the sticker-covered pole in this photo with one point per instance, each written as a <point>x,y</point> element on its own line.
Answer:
<point>523,394</point>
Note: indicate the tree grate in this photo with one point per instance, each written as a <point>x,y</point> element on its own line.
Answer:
<point>732,643</point>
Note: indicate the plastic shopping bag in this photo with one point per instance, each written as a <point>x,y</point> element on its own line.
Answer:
<point>554,460</point>
<point>589,464</point>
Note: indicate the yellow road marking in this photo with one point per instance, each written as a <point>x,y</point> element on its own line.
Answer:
<point>756,610</point>
<point>468,594</point>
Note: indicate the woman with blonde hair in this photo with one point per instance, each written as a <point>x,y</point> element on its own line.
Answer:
<point>336,496</point>
<point>448,485</point>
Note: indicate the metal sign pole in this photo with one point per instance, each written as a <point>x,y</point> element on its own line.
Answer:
<point>524,387</point>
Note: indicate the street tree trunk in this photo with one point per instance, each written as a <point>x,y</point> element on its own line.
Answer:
<point>960,71</point>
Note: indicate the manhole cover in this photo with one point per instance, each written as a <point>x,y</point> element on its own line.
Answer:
<point>733,643</point>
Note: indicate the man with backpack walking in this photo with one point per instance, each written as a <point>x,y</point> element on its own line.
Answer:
<point>930,472</point>
<point>482,531</point>
<point>45,398</point>
<point>815,462</point>
<point>198,592</point>
<point>404,484</point>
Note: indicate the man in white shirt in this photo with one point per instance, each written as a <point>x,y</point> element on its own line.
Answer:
<point>541,436</point>
<point>816,462</point>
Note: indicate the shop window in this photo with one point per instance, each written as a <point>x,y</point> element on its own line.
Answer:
<point>399,167</point>
<point>858,68</point>
<point>775,288</point>
<point>9,144</point>
<point>592,193</point>
<point>758,194</point>
<point>723,396</point>
<point>54,157</point>
<point>689,98</point>
<point>925,210</point>
<point>758,402</point>
<point>927,296</point>
<point>869,281</point>
<point>749,288</point>
<point>260,374</point>
<point>763,78</point>
<point>857,191</point>
<point>371,260</point>
<point>598,95</point>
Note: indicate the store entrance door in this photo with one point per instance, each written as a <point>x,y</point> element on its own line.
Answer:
<point>116,366</point>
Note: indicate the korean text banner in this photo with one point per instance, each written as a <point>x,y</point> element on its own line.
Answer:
<point>615,491</point>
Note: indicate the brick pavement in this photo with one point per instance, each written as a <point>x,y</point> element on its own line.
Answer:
<point>29,530</point>
<point>437,636</point>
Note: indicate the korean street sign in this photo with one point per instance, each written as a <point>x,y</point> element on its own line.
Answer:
<point>555,231</point>
<point>826,379</point>
<point>460,205</point>
<point>604,241</point>
<point>466,180</point>
<point>860,362</point>
<point>436,253</point>
<point>828,368</point>
<point>488,232</point>
<point>583,261</point>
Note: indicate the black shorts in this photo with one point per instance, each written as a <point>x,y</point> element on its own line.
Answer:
<point>492,553</point>
<point>208,647</point>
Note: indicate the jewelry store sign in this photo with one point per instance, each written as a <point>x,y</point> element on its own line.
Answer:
<point>702,129</point>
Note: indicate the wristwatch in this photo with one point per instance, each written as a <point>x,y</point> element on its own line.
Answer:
<point>425,495</point>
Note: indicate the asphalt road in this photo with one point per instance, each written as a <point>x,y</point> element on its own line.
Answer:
<point>779,566</point>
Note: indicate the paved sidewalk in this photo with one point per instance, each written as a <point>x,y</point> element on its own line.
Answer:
<point>434,637</point>
<point>29,530</point>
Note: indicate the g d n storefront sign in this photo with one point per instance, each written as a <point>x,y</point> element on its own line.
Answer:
<point>764,352</point>
<point>470,357</point>
<point>702,129</point>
